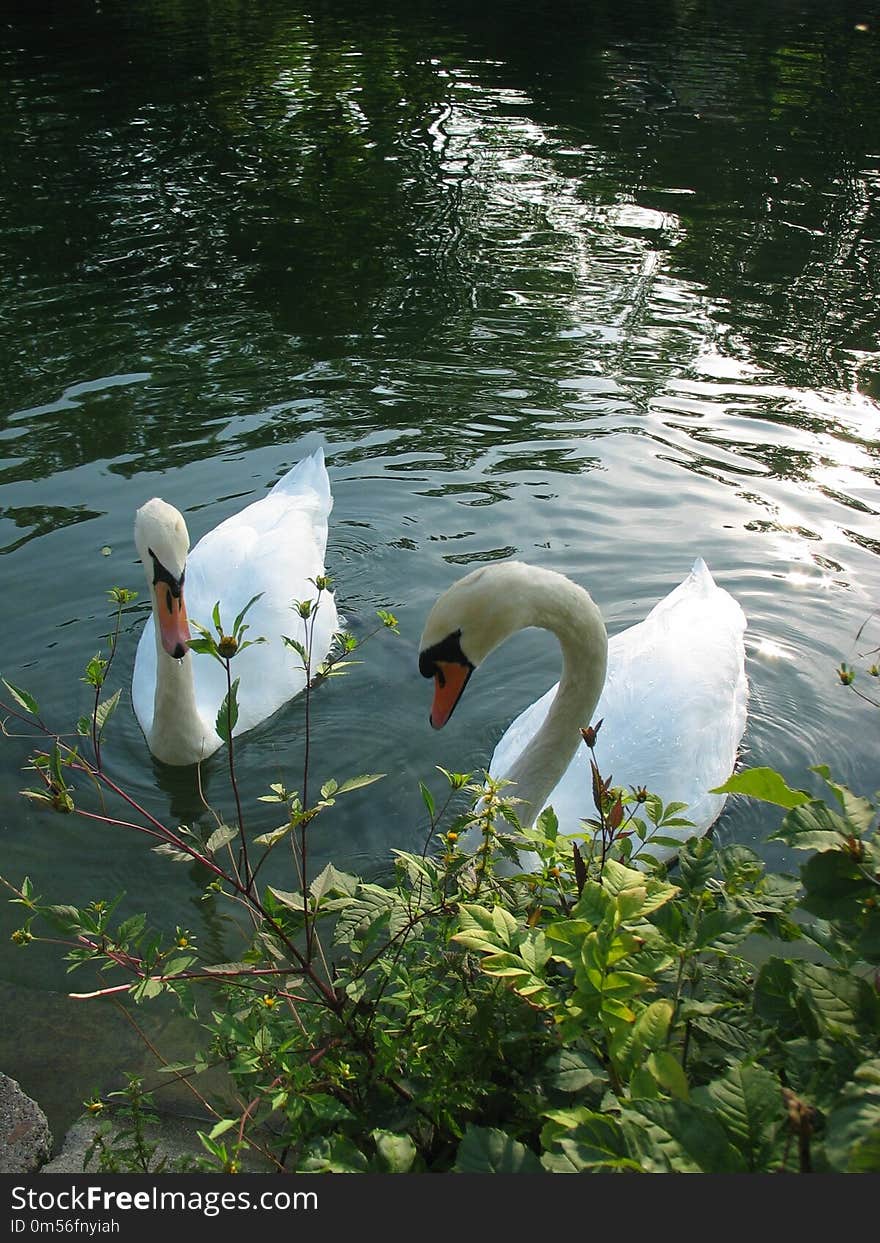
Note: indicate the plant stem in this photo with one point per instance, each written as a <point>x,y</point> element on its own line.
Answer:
<point>243,862</point>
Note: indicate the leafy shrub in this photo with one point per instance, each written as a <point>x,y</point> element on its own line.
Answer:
<point>600,1012</point>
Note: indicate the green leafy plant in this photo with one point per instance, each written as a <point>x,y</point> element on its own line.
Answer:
<point>600,1011</point>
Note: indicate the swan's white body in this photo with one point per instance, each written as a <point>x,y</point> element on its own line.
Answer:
<point>673,700</point>
<point>275,547</point>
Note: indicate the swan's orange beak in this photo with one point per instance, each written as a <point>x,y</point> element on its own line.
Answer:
<point>450,679</point>
<point>173,623</point>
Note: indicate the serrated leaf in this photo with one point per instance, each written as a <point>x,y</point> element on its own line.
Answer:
<point>813,827</point>
<point>859,811</point>
<point>274,835</point>
<point>171,852</point>
<point>22,698</point>
<point>355,783</point>
<point>298,647</point>
<point>227,717</point>
<point>294,901</point>
<point>332,880</point>
<point>220,838</point>
<point>178,965</point>
<point>105,708</point>
<point>68,918</point>
<point>226,968</point>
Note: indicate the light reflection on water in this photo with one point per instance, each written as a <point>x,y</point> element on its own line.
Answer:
<point>503,303</point>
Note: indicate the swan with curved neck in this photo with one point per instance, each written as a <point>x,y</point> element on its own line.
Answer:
<point>272,549</point>
<point>177,729</point>
<point>476,615</point>
<point>671,690</point>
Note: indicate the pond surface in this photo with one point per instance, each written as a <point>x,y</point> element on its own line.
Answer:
<point>597,286</point>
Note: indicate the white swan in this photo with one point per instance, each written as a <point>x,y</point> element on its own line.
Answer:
<point>274,546</point>
<point>672,702</point>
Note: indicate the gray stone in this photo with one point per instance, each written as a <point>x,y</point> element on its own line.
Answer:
<point>175,1141</point>
<point>25,1138</point>
<point>177,1146</point>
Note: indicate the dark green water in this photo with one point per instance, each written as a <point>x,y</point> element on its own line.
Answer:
<point>594,284</point>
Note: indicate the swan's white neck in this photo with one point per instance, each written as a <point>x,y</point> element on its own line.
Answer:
<point>178,733</point>
<point>552,602</point>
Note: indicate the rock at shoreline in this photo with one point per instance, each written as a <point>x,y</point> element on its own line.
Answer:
<point>25,1138</point>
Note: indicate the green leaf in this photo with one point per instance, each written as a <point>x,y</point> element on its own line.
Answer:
<point>105,709</point>
<point>221,1128</point>
<point>859,811</point>
<point>669,1073</point>
<point>597,1142</point>
<point>722,929</point>
<point>484,1150</point>
<point>274,835</point>
<point>651,1029</point>
<point>220,838</point>
<point>240,618</point>
<point>293,901</point>
<point>852,1133</point>
<point>336,1155</point>
<point>835,887</point>
<point>748,1103</point>
<point>331,880</point>
<point>204,646</point>
<point>21,697</point>
<point>573,1071</point>
<point>841,1002</point>
<point>680,1137</point>
<point>396,1153</point>
<point>427,798</point>
<point>355,783</point>
<point>765,784</point>
<point>228,714</point>
<point>813,827</point>
<point>297,647</point>
<point>171,852</point>
<point>697,861</point>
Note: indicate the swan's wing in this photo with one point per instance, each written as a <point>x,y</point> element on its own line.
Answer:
<point>673,707</point>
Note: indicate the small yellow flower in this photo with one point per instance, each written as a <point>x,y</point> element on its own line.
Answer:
<point>451,836</point>
<point>268,1000</point>
<point>94,1106</point>
<point>21,936</point>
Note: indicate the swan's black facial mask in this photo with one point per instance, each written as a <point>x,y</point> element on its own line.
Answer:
<point>447,664</point>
